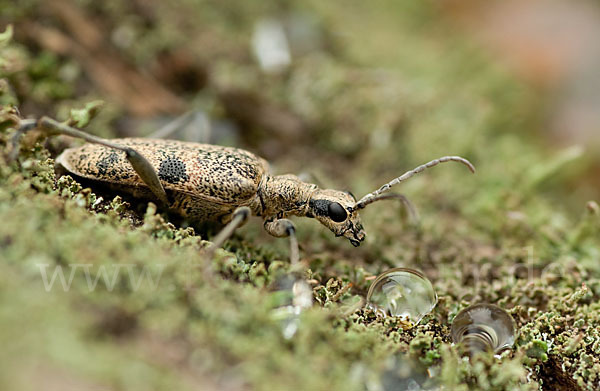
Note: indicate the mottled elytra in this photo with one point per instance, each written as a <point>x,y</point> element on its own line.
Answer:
<point>204,182</point>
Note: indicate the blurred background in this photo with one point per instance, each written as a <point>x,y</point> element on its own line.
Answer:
<point>281,77</point>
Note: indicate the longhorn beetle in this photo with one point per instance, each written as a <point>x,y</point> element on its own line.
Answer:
<point>204,182</point>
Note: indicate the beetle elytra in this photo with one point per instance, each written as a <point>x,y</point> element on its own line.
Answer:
<point>204,182</point>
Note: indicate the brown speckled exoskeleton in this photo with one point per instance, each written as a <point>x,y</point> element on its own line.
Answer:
<point>204,182</point>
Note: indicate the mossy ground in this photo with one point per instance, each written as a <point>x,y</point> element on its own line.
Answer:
<point>389,87</point>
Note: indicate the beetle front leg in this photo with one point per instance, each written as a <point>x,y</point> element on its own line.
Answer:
<point>282,228</point>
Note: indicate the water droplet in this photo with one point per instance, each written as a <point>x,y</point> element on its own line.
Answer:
<point>402,292</point>
<point>296,295</point>
<point>482,327</point>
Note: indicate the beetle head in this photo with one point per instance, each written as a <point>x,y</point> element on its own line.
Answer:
<point>335,210</point>
<point>338,210</point>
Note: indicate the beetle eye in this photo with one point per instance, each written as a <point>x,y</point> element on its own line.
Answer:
<point>337,212</point>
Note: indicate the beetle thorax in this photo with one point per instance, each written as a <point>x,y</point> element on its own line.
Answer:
<point>284,195</point>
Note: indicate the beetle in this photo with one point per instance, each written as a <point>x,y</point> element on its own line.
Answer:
<point>203,182</point>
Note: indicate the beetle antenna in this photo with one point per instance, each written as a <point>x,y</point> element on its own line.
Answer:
<point>412,211</point>
<point>372,197</point>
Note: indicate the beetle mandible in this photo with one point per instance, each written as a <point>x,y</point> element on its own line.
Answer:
<point>204,182</point>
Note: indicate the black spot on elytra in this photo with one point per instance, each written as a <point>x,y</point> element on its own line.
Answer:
<point>172,170</point>
<point>109,161</point>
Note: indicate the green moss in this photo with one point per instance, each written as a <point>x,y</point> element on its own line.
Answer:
<point>537,349</point>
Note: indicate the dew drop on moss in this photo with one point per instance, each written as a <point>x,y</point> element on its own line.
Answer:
<point>402,292</point>
<point>482,327</point>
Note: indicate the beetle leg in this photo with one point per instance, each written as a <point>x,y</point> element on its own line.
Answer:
<point>139,163</point>
<point>148,174</point>
<point>282,228</point>
<point>240,216</point>
<point>177,124</point>
<point>25,125</point>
